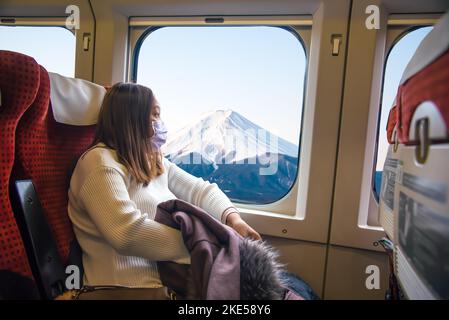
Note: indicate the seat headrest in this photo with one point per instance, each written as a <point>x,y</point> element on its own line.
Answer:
<point>19,81</point>
<point>432,46</point>
<point>75,102</point>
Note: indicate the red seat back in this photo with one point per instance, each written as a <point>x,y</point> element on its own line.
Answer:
<point>429,84</point>
<point>19,83</point>
<point>391,123</point>
<point>47,152</point>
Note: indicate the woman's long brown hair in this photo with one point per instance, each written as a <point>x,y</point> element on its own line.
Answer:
<point>124,125</point>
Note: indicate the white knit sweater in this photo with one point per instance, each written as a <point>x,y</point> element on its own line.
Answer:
<point>113,218</point>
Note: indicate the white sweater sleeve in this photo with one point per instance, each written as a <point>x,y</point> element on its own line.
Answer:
<point>197,191</point>
<point>128,230</point>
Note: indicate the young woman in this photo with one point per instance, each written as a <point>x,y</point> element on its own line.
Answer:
<point>117,185</point>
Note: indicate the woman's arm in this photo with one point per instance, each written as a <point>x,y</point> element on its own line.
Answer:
<point>207,196</point>
<point>238,224</point>
<point>197,191</point>
<point>130,231</point>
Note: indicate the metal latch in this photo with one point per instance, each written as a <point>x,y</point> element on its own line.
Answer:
<point>422,133</point>
<point>336,43</point>
<point>86,41</point>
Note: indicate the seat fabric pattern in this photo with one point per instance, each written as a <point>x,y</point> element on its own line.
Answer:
<point>47,152</point>
<point>19,83</point>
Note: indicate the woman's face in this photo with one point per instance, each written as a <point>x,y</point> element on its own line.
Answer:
<point>155,115</point>
<point>155,111</point>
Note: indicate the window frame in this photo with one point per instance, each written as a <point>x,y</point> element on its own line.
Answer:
<point>145,33</point>
<point>357,224</point>
<point>84,59</point>
<point>138,34</point>
<point>398,27</point>
<point>141,27</point>
<point>305,213</point>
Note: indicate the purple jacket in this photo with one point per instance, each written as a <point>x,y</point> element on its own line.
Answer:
<point>214,273</point>
<point>214,251</point>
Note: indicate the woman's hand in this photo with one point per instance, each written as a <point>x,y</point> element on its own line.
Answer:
<point>238,224</point>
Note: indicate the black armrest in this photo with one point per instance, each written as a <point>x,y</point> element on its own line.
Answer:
<point>42,252</point>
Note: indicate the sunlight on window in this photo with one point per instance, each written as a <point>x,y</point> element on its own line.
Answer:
<point>51,47</point>
<point>232,100</point>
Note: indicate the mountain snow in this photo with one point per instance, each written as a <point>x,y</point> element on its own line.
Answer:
<point>225,136</point>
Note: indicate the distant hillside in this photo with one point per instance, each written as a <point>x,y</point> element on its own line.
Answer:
<point>208,149</point>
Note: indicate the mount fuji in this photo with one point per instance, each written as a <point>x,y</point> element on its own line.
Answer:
<point>248,163</point>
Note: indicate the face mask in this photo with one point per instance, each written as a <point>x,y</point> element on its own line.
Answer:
<point>160,134</point>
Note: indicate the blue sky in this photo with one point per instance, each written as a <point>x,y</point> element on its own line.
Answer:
<point>257,71</point>
<point>52,47</point>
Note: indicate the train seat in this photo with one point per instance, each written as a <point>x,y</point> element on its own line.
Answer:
<point>46,152</point>
<point>414,202</point>
<point>19,83</point>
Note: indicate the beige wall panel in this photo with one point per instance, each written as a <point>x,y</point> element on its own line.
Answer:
<point>346,274</point>
<point>305,259</point>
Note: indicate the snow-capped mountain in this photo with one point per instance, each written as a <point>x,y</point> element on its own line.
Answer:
<point>223,137</point>
<point>226,148</point>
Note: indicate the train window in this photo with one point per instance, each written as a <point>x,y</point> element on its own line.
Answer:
<point>232,100</point>
<point>51,47</point>
<point>398,58</point>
